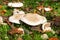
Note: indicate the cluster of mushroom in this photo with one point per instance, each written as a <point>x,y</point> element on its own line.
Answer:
<point>29,18</point>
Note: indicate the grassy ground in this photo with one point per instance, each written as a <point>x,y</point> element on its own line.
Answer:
<point>31,5</point>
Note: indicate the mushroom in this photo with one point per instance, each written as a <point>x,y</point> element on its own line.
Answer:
<point>17,11</point>
<point>17,15</point>
<point>15,4</point>
<point>46,27</point>
<point>33,19</point>
<point>44,36</point>
<point>48,8</point>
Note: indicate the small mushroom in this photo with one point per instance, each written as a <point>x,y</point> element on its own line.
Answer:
<point>44,36</point>
<point>17,15</point>
<point>46,27</point>
<point>48,8</point>
<point>33,19</point>
<point>17,11</point>
<point>15,4</point>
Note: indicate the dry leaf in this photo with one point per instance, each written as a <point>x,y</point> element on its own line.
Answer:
<point>0,6</point>
<point>16,30</point>
<point>40,7</point>
<point>57,21</point>
<point>53,38</point>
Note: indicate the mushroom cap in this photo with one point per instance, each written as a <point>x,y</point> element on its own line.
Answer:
<point>16,11</point>
<point>10,4</point>
<point>33,19</point>
<point>44,36</point>
<point>47,9</point>
<point>15,4</point>
<point>17,15</point>
<point>13,20</point>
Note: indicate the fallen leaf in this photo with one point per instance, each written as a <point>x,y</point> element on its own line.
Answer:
<point>0,6</point>
<point>53,38</point>
<point>16,30</point>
